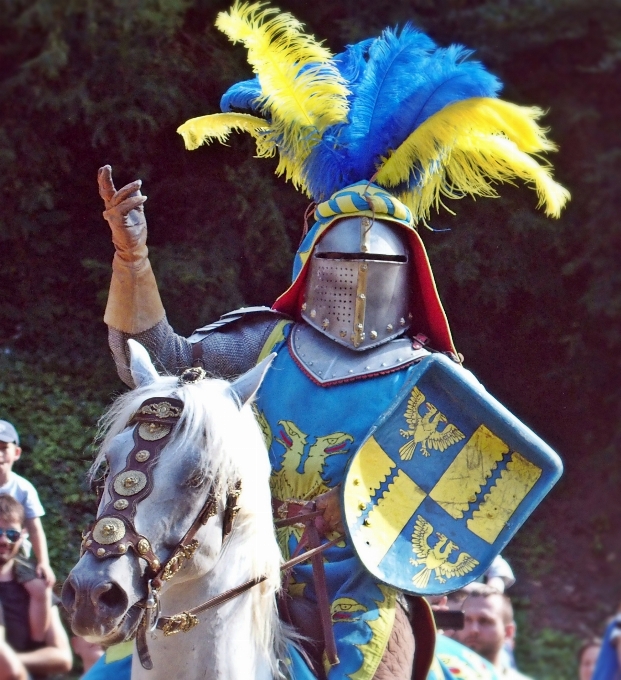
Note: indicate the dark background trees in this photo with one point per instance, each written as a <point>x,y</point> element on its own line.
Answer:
<point>535,305</point>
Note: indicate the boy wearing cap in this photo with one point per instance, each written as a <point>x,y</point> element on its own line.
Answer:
<point>23,491</point>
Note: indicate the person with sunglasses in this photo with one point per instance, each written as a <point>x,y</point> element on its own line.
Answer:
<point>33,643</point>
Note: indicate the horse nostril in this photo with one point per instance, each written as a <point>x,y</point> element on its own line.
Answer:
<point>67,595</point>
<point>109,595</point>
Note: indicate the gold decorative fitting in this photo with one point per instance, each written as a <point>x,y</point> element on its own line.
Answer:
<point>192,375</point>
<point>389,327</point>
<point>122,548</point>
<point>184,552</point>
<point>373,335</point>
<point>101,552</point>
<point>108,530</point>
<point>130,482</point>
<point>155,564</point>
<point>325,323</point>
<point>121,504</point>
<point>180,623</point>
<point>142,455</point>
<point>161,410</point>
<point>313,313</point>
<point>89,543</point>
<point>365,222</point>
<point>362,296</point>
<point>143,546</point>
<point>364,266</point>
<point>151,432</point>
<point>342,333</point>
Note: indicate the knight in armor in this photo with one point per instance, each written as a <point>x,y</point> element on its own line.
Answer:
<point>375,136</point>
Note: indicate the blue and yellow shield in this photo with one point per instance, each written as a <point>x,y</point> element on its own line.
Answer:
<point>442,482</point>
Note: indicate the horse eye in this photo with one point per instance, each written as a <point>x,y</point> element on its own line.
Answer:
<point>196,479</point>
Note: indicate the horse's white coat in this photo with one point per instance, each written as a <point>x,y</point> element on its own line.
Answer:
<point>214,440</point>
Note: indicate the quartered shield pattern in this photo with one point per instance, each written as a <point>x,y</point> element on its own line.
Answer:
<point>442,482</point>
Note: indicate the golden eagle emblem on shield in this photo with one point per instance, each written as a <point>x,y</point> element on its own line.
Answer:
<point>424,428</point>
<point>436,558</point>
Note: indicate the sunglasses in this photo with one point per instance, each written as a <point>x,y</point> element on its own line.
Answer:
<point>12,535</point>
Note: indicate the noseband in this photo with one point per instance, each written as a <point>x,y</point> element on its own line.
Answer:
<point>114,533</point>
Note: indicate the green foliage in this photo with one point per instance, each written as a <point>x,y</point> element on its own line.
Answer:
<point>545,654</point>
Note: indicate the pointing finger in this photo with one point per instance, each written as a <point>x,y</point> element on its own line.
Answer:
<point>106,185</point>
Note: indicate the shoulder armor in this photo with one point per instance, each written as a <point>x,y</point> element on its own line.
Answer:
<point>235,315</point>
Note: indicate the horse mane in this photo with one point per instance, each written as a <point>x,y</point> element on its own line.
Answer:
<point>232,449</point>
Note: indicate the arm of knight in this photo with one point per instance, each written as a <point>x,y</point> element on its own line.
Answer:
<point>134,309</point>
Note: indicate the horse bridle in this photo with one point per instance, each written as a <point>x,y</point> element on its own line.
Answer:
<point>113,534</point>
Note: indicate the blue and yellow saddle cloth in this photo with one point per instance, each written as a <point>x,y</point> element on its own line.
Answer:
<point>442,482</point>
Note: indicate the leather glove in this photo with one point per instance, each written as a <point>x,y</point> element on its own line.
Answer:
<point>134,303</point>
<point>125,214</point>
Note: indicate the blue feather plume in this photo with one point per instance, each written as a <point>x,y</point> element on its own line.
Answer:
<point>244,96</point>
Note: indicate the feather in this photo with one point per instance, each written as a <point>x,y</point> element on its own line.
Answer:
<point>203,129</point>
<point>244,96</point>
<point>303,93</point>
<point>464,149</point>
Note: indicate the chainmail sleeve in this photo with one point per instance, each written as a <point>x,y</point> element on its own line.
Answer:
<point>227,351</point>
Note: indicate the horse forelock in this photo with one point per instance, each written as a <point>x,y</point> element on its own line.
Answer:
<point>231,448</point>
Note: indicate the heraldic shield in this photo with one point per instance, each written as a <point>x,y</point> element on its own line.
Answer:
<point>442,482</point>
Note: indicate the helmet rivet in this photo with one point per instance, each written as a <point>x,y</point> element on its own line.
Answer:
<point>313,313</point>
<point>373,335</point>
<point>362,296</point>
<point>364,266</point>
<point>325,323</point>
<point>342,333</point>
<point>359,326</point>
<point>389,327</point>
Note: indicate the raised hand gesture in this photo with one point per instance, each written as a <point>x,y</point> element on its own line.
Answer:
<point>125,214</point>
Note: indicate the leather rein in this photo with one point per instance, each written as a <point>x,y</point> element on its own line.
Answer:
<point>113,534</point>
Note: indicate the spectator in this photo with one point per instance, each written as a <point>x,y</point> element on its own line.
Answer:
<point>488,626</point>
<point>24,492</point>
<point>89,652</point>
<point>22,657</point>
<point>587,658</point>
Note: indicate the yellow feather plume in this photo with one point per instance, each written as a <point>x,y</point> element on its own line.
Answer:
<point>204,129</point>
<point>465,148</point>
<point>303,94</point>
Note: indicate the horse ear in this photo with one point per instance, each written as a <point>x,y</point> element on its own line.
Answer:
<point>140,364</point>
<point>245,387</point>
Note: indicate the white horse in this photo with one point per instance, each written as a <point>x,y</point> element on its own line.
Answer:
<point>214,444</point>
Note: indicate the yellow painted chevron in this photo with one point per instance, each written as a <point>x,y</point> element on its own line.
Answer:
<point>388,518</point>
<point>460,485</point>
<point>369,470</point>
<point>503,498</point>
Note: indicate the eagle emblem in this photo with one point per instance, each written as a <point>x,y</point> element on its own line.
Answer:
<point>424,428</point>
<point>436,558</point>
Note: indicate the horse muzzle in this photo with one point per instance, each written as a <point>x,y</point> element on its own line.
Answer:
<point>101,609</point>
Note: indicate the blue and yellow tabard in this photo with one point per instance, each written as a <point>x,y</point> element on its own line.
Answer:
<point>313,432</point>
<point>443,481</point>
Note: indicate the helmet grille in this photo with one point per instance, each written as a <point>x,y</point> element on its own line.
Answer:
<point>335,289</point>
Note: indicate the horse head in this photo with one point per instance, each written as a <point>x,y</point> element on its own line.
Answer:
<point>184,456</point>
